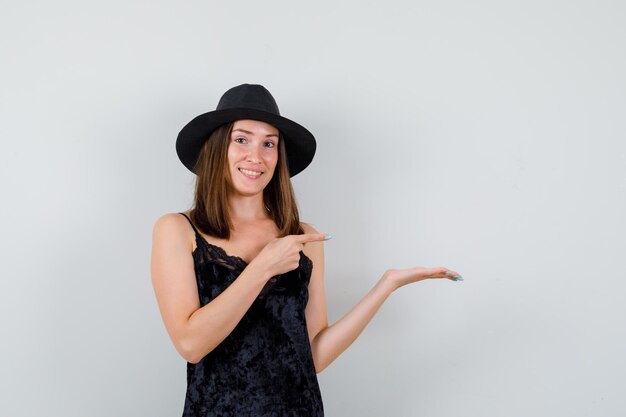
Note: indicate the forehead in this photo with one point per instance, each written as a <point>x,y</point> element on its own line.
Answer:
<point>256,127</point>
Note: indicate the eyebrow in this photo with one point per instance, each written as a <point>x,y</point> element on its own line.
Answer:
<point>250,133</point>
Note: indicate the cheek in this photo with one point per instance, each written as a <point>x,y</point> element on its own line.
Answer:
<point>274,157</point>
<point>231,155</point>
<point>273,162</point>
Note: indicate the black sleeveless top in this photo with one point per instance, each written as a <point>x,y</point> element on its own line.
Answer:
<point>264,367</point>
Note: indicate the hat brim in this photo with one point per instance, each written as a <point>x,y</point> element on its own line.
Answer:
<point>299,142</point>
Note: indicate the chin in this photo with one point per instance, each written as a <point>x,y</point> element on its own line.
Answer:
<point>249,190</point>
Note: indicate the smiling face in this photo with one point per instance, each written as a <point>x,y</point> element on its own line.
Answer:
<point>252,156</point>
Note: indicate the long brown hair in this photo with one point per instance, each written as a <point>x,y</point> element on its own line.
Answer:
<point>210,210</point>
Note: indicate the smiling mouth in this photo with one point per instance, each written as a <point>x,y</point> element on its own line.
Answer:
<point>250,174</point>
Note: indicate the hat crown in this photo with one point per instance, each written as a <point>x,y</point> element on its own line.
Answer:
<point>248,96</point>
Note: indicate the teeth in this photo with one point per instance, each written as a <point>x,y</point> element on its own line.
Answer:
<point>251,173</point>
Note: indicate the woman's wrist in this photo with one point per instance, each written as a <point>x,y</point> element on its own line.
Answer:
<point>260,271</point>
<point>387,283</point>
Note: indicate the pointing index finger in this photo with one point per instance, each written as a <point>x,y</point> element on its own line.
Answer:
<point>312,237</point>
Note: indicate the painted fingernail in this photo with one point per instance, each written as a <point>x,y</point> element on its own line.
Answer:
<point>449,273</point>
<point>458,278</point>
<point>328,237</point>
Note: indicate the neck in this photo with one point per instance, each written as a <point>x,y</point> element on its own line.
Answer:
<point>247,208</point>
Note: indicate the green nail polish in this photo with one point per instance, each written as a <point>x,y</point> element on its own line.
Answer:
<point>458,278</point>
<point>328,237</point>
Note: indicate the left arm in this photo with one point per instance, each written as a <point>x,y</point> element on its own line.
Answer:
<point>333,340</point>
<point>327,343</point>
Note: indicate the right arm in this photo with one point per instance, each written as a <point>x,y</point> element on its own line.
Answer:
<point>194,330</point>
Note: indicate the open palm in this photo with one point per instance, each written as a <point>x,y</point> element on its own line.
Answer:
<point>401,277</point>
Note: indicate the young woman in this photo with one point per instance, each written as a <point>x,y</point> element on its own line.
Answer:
<point>239,278</point>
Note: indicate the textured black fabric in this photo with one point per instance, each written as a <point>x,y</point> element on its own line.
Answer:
<point>264,367</point>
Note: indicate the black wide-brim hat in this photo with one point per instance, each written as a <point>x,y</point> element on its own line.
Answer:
<point>247,101</point>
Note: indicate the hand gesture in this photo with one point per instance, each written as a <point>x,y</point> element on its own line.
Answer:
<point>282,254</point>
<point>401,277</point>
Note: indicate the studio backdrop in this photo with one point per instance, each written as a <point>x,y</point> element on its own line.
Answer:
<point>486,137</point>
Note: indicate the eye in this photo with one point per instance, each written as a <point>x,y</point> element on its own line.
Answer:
<point>270,143</point>
<point>236,139</point>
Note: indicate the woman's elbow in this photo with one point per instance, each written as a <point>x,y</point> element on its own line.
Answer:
<point>192,358</point>
<point>189,351</point>
<point>319,368</point>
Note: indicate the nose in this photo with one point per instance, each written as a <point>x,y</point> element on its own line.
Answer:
<point>253,154</point>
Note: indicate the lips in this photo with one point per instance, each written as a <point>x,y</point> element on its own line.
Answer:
<point>250,173</point>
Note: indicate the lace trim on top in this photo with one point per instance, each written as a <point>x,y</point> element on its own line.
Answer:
<point>208,253</point>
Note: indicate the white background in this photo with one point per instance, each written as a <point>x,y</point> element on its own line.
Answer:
<point>485,136</point>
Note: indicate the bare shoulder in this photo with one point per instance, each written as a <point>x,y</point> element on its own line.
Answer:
<point>169,222</point>
<point>174,228</point>
<point>308,228</point>
<point>314,250</point>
